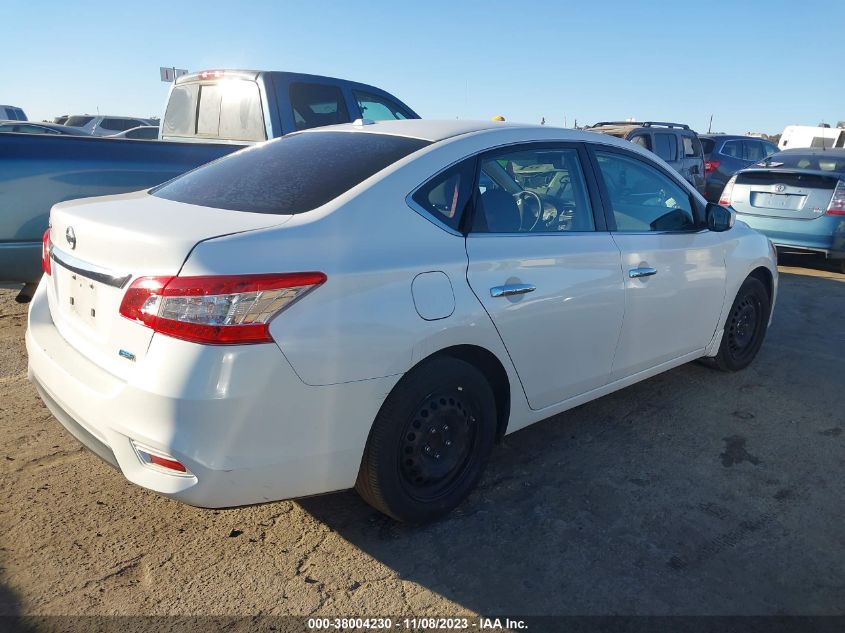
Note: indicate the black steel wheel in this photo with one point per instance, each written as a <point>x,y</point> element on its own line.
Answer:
<point>745,327</point>
<point>430,441</point>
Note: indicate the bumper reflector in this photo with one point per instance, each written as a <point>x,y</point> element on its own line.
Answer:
<point>160,461</point>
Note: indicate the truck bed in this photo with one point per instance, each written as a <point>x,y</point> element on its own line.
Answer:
<point>38,171</point>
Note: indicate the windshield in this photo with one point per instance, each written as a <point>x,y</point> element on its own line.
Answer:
<point>833,161</point>
<point>292,174</point>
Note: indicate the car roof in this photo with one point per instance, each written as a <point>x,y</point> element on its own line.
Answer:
<point>435,131</point>
<point>816,151</point>
<point>730,137</point>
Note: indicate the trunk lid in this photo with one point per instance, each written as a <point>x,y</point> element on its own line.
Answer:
<point>783,193</point>
<point>101,245</point>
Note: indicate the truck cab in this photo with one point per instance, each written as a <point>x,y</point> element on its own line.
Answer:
<point>246,106</point>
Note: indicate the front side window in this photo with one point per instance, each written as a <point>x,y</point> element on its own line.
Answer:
<point>378,108</point>
<point>292,174</point>
<point>666,146</point>
<point>445,196</point>
<point>643,198</point>
<point>316,105</point>
<point>533,191</point>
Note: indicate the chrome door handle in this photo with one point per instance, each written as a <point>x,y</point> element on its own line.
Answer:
<point>635,273</point>
<point>511,289</point>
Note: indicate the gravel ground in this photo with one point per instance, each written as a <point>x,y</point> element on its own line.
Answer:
<point>694,492</point>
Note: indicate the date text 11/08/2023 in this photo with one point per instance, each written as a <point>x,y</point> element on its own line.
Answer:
<point>415,624</point>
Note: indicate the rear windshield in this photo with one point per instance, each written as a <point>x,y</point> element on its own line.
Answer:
<point>78,121</point>
<point>833,161</point>
<point>228,109</point>
<point>292,174</point>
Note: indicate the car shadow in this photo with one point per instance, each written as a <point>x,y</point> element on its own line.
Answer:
<point>690,492</point>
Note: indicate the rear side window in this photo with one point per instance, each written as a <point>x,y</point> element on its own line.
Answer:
<point>78,121</point>
<point>119,125</point>
<point>378,108</point>
<point>293,174</point>
<point>445,196</point>
<point>666,146</point>
<point>821,142</point>
<point>316,105</point>
<point>732,149</point>
<point>692,147</point>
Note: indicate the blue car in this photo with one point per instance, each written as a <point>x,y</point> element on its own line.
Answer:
<point>796,198</point>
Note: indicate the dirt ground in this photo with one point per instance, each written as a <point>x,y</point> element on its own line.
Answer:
<point>694,492</point>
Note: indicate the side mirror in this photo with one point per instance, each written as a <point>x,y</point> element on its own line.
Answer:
<point>719,218</point>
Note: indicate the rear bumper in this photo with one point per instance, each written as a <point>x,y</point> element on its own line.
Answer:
<point>246,427</point>
<point>825,234</point>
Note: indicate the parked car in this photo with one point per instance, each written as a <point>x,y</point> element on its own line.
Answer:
<point>250,106</point>
<point>27,127</point>
<point>675,143</point>
<point>104,125</point>
<point>60,120</point>
<point>243,333</point>
<point>796,198</point>
<point>797,136</point>
<point>12,113</point>
<point>143,132</point>
<point>726,154</point>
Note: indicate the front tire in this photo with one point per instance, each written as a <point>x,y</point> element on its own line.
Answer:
<point>745,327</point>
<point>430,441</point>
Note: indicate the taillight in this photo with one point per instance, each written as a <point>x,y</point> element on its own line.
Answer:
<point>711,166</point>
<point>217,310</point>
<point>837,201</point>
<point>725,198</point>
<point>46,245</point>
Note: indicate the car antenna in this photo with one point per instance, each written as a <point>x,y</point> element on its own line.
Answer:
<point>710,125</point>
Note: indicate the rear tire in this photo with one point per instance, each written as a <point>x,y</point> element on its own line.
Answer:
<point>745,327</point>
<point>430,441</point>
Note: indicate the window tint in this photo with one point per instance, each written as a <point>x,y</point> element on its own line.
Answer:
<point>753,150</point>
<point>181,115</point>
<point>538,190</point>
<point>644,198</point>
<point>446,195</point>
<point>292,174</point>
<point>642,140</point>
<point>378,108</point>
<point>315,105</point>
<point>119,125</point>
<point>147,133</point>
<point>732,148</point>
<point>770,148</point>
<point>228,109</point>
<point>820,141</point>
<point>824,161</point>
<point>666,146</point>
<point>692,146</point>
<point>78,121</point>
<point>707,145</point>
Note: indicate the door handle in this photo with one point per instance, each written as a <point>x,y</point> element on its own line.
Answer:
<point>636,273</point>
<point>511,289</point>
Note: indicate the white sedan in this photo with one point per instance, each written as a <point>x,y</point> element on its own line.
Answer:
<point>374,305</point>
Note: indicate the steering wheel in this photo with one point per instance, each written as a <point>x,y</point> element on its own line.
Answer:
<point>522,206</point>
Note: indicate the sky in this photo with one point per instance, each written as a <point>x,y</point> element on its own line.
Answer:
<point>755,66</point>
